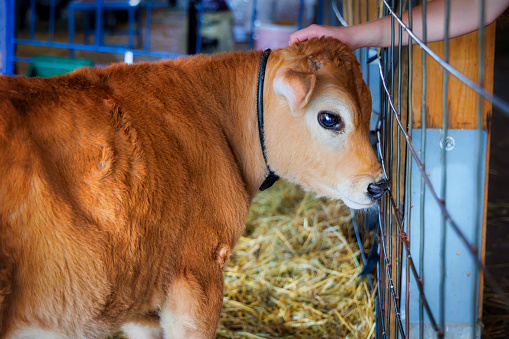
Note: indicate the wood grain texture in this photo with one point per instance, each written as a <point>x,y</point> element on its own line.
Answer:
<point>356,12</point>
<point>462,100</point>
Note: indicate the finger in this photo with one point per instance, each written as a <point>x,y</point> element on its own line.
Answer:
<point>303,35</point>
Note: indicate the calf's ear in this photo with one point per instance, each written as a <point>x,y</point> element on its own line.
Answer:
<point>296,88</point>
<point>364,97</point>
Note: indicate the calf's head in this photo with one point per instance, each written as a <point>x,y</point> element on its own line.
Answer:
<point>317,125</point>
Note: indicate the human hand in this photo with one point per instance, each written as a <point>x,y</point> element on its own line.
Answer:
<point>318,31</point>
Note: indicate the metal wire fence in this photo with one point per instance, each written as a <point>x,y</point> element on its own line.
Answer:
<point>427,286</point>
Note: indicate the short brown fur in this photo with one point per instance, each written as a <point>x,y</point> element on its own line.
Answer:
<point>121,186</point>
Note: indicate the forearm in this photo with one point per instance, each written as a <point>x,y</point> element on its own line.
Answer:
<point>464,17</point>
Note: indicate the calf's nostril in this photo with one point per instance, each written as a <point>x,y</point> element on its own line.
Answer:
<point>376,190</point>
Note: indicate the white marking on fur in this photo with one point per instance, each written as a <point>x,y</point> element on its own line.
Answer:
<point>223,255</point>
<point>35,333</point>
<point>177,326</point>
<point>138,331</point>
<point>179,314</point>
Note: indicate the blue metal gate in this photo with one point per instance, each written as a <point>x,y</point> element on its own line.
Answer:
<point>139,21</point>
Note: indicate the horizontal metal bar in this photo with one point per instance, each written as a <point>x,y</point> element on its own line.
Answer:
<point>92,48</point>
<point>496,101</point>
<point>92,6</point>
<point>83,6</point>
<point>22,59</point>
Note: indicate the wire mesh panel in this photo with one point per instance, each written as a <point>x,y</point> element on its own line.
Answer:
<point>433,132</point>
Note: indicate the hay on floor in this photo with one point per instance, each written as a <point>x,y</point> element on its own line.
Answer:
<point>294,274</point>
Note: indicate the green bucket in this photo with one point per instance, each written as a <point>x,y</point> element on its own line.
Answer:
<point>46,66</point>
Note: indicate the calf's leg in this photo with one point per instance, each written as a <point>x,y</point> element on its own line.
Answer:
<point>191,311</point>
<point>195,298</point>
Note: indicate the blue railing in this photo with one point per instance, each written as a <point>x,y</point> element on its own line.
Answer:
<point>10,38</point>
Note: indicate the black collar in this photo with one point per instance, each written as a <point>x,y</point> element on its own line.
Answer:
<point>271,177</point>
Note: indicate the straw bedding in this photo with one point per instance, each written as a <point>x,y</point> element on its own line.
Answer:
<point>294,274</point>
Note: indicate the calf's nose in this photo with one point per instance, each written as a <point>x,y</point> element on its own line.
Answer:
<point>376,190</point>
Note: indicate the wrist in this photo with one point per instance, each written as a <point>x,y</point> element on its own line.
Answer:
<point>371,34</point>
<point>356,36</point>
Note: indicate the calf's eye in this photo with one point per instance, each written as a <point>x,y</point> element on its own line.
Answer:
<point>330,120</point>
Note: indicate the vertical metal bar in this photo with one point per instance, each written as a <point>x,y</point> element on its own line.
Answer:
<point>378,276</point>
<point>319,19</point>
<point>398,151</point>
<point>359,16</point>
<point>8,30</point>
<point>398,165</point>
<point>478,221</point>
<point>70,28</point>
<point>381,128</point>
<point>51,20</point>
<point>253,19</point>
<point>3,37</point>
<point>148,14</point>
<point>139,24</point>
<point>32,19</point>
<point>199,24</point>
<point>389,140</point>
<point>380,328</point>
<point>423,161</point>
<point>98,22</point>
<point>360,51</point>
<point>130,26</point>
<point>443,166</point>
<point>301,14</point>
<point>408,180</point>
<point>386,220</point>
<point>367,48</point>
<point>332,16</point>
<point>392,293</point>
<point>86,25</point>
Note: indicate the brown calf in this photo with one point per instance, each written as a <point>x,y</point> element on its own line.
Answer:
<point>124,189</point>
